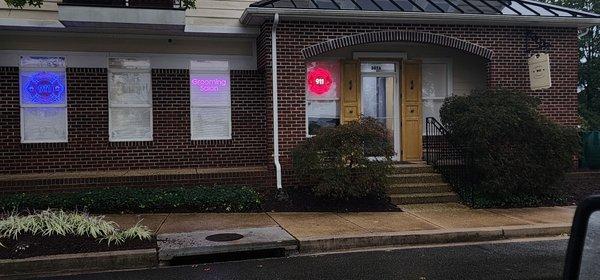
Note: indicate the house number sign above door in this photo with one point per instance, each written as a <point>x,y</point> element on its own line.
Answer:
<point>539,71</point>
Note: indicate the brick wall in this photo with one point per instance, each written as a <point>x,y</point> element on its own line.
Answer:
<point>508,68</point>
<point>88,148</point>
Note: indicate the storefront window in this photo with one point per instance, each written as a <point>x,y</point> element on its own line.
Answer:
<point>322,95</point>
<point>43,91</point>
<point>210,100</point>
<point>130,99</point>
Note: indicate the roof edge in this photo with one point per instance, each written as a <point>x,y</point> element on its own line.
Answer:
<point>256,16</point>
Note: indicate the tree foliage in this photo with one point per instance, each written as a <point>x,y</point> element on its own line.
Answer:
<point>188,4</point>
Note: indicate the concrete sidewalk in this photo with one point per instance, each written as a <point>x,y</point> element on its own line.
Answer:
<point>418,224</point>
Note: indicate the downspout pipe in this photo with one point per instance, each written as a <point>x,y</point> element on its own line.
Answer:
<point>275,105</point>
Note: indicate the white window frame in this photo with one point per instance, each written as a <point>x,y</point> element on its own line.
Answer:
<point>203,70</point>
<point>23,106</point>
<point>110,106</point>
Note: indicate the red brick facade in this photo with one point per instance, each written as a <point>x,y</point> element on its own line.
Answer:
<point>507,68</point>
<point>88,148</point>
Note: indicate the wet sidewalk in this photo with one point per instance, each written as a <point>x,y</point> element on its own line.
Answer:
<point>320,231</point>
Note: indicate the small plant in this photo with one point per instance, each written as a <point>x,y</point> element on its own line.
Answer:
<point>517,152</point>
<point>48,223</point>
<point>346,162</point>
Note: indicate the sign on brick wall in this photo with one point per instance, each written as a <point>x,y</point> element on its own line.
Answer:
<point>539,71</point>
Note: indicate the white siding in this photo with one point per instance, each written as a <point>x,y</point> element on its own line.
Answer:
<point>208,13</point>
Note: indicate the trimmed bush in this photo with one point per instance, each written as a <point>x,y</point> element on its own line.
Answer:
<point>518,154</point>
<point>140,200</point>
<point>335,163</point>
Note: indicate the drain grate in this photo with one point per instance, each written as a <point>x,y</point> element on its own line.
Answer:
<point>224,237</point>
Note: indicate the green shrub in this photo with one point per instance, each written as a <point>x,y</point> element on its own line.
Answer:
<point>516,151</point>
<point>49,223</point>
<point>335,163</point>
<point>139,200</point>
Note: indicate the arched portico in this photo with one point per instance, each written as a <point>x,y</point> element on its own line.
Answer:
<point>396,36</point>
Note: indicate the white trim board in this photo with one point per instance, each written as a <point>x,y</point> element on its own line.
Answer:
<point>157,61</point>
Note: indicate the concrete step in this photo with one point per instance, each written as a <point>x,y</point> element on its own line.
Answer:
<point>416,178</point>
<point>412,168</point>
<point>419,188</point>
<point>420,198</point>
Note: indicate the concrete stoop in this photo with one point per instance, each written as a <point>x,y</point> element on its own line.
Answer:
<point>417,183</point>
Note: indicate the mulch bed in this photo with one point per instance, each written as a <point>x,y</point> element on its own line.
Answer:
<point>28,245</point>
<point>577,189</point>
<point>297,200</point>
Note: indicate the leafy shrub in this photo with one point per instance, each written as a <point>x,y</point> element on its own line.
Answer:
<point>335,163</point>
<point>516,151</point>
<point>49,223</point>
<point>137,200</point>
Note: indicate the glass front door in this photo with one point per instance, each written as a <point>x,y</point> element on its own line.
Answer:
<point>380,97</point>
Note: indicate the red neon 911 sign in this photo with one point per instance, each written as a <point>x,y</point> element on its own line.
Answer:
<point>319,81</point>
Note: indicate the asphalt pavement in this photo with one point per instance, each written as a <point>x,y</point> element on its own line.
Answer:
<point>521,259</point>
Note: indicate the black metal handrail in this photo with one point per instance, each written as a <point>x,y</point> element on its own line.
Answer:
<point>450,159</point>
<point>141,4</point>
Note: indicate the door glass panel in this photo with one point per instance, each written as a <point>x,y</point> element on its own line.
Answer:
<point>378,101</point>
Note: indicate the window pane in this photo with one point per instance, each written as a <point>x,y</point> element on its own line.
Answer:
<point>431,108</point>
<point>44,124</point>
<point>210,123</point>
<point>322,80</point>
<point>314,124</point>
<point>130,88</point>
<point>435,80</point>
<point>210,89</point>
<point>43,87</point>
<point>323,109</point>
<point>130,124</point>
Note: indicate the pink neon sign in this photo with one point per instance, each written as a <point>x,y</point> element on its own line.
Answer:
<point>210,84</point>
<point>319,81</point>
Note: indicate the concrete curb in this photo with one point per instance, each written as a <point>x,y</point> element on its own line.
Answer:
<point>74,263</point>
<point>438,236</point>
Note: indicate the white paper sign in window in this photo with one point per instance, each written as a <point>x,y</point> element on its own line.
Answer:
<point>43,95</point>
<point>130,99</point>
<point>210,100</point>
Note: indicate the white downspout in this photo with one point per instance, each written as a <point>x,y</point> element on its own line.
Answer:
<point>275,107</point>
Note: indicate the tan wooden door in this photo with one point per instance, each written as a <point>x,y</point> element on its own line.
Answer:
<point>412,139</point>
<point>350,91</point>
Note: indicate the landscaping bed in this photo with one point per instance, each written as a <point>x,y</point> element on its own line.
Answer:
<point>28,245</point>
<point>139,200</point>
<point>297,200</point>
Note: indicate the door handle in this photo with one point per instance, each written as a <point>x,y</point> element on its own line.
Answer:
<point>350,84</point>
<point>412,84</point>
